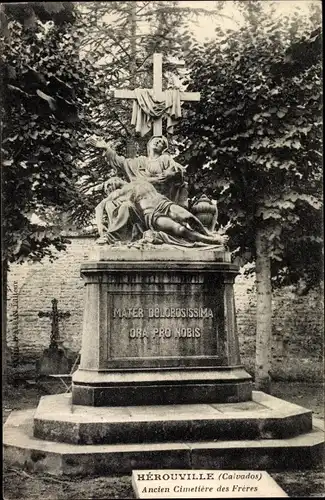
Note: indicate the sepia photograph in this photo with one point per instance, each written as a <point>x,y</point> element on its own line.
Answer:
<point>162,249</point>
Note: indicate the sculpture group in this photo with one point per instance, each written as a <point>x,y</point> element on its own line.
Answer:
<point>148,198</point>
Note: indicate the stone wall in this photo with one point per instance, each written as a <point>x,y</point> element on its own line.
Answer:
<point>297,332</point>
<point>298,326</point>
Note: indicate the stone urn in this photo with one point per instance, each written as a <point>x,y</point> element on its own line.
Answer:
<point>206,211</point>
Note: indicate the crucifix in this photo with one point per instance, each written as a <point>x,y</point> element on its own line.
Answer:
<point>55,315</point>
<point>157,93</point>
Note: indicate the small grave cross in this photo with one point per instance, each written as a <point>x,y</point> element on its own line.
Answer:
<point>157,93</point>
<point>55,315</point>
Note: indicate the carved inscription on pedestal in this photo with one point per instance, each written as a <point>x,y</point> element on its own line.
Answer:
<point>153,325</point>
<point>163,313</point>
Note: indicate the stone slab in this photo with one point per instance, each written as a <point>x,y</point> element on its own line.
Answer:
<point>222,375</point>
<point>265,417</point>
<point>161,387</point>
<point>21,449</point>
<point>202,483</point>
<point>145,376</point>
<point>165,253</point>
<point>164,394</point>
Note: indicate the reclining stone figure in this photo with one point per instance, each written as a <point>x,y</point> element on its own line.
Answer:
<point>150,210</point>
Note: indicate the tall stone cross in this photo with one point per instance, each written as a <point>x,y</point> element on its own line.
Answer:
<point>157,93</point>
<point>55,315</point>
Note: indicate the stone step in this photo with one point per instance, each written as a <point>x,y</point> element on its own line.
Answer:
<point>190,380</point>
<point>21,449</point>
<point>265,417</point>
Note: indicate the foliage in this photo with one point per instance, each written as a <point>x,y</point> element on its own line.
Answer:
<point>46,90</point>
<point>254,140</point>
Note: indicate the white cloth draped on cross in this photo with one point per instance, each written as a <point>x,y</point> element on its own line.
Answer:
<point>146,109</point>
<point>150,105</point>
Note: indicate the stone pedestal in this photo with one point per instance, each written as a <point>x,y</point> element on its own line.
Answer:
<point>159,328</point>
<point>159,361</point>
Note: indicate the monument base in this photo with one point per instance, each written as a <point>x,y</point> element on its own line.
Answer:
<point>161,387</point>
<point>53,361</point>
<point>159,328</point>
<point>160,383</point>
<point>265,433</point>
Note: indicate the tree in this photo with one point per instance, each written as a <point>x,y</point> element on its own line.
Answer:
<point>45,88</point>
<point>253,142</point>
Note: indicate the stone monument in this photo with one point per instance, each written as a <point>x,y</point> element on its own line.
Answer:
<point>160,383</point>
<point>165,330</point>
